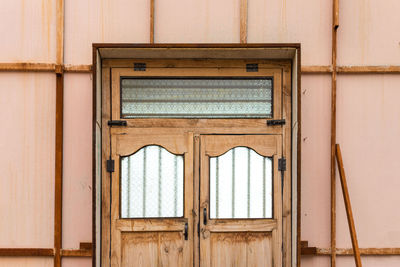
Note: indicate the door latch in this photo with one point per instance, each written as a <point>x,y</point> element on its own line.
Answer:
<point>117,123</point>
<point>276,122</point>
<point>185,234</point>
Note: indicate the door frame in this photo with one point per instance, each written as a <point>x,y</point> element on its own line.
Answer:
<point>285,56</point>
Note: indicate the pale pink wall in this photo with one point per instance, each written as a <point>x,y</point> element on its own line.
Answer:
<point>77,179</point>
<point>27,116</point>
<point>368,113</point>
<point>27,30</point>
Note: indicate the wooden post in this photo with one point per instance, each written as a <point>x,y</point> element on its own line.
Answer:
<point>347,204</point>
<point>59,134</point>
<point>152,21</point>
<point>335,20</point>
<point>243,21</point>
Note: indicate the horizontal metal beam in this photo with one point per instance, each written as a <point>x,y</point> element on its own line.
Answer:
<point>50,67</point>
<point>18,252</point>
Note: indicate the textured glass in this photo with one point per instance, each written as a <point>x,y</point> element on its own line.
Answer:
<point>152,184</point>
<point>196,98</point>
<point>240,185</point>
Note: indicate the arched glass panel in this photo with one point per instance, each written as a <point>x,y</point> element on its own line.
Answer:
<point>241,185</point>
<point>152,184</point>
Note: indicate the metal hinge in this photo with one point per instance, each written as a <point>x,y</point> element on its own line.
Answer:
<point>276,122</point>
<point>198,229</point>
<point>282,164</point>
<point>110,165</point>
<point>117,123</point>
<point>252,67</point>
<point>139,66</point>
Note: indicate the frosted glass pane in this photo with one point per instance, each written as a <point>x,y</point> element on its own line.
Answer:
<point>196,98</point>
<point>152,184</point>
<point>240,185</point>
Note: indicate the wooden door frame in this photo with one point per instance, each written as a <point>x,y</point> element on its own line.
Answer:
<point>291,101</point>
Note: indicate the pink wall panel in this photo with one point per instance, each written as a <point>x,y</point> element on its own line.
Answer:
<point>26,262</point>
<point>369,33</point>
<point>194,21</point>
<point>102,21</point>
<point>28,30</point>
<point>316,159</point>
<point>77,187</point>
<point>368,132</point>
<point>76,262</point>
<point>27,115</point>
<point>311,261</point>
<point>291,21</point>
<point>369,261</point>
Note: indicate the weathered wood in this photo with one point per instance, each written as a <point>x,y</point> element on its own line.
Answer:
<point>28,67</point>
<point>159,242</point>
<point>60,32</point>
<point>369,69</point>
<point>26,252</point>
<point>347,203</point>
<point>243,21</point>
<point>50,67</point>
<point>152,21</point>
<point>78,68</point>
<point>76,253</point>
<point>335,15</point>
<point>230,238</point>
<point>315,251</point>
<point>85,246</point>
<point>143,129</point>
<point>105,154</point>
<point>58,168</point>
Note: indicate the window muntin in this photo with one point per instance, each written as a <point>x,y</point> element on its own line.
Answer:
<point>196,97</point>
<point>241,185</point>
<point>152,184</point>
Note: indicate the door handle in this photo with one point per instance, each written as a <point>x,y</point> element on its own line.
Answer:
<point>185,233</point>
<point>205,216</point>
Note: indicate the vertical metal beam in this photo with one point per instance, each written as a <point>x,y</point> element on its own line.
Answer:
<point>58,170</point>
<point>347,204</point>
<point>335,20</point>
<point>243,21</point>
<point>59,133</point>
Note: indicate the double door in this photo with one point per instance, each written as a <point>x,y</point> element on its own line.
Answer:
<point>187,199</point>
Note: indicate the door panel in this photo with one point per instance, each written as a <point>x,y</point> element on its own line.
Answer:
<point>252,236</point>
<point>152,200</point>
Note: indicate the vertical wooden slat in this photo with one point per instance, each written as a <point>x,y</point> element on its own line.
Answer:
<point>243,21</point>
<point>333,133</point>
<point>60,32</point>
<point>347,204</point>
<point>151,21</point>
<point>58,169</point>
<point>59,133</point>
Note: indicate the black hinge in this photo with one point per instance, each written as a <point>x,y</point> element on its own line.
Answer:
<point>252,67</point>
<point>282,164</point>
<point>110,165</point>
<point>117,123</point>
<point>139,66</point>
<point>198,229</point>
<point>276,122</point>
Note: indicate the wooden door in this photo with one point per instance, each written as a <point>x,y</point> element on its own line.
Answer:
<point>240,201</point>
<point>151,199</point>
